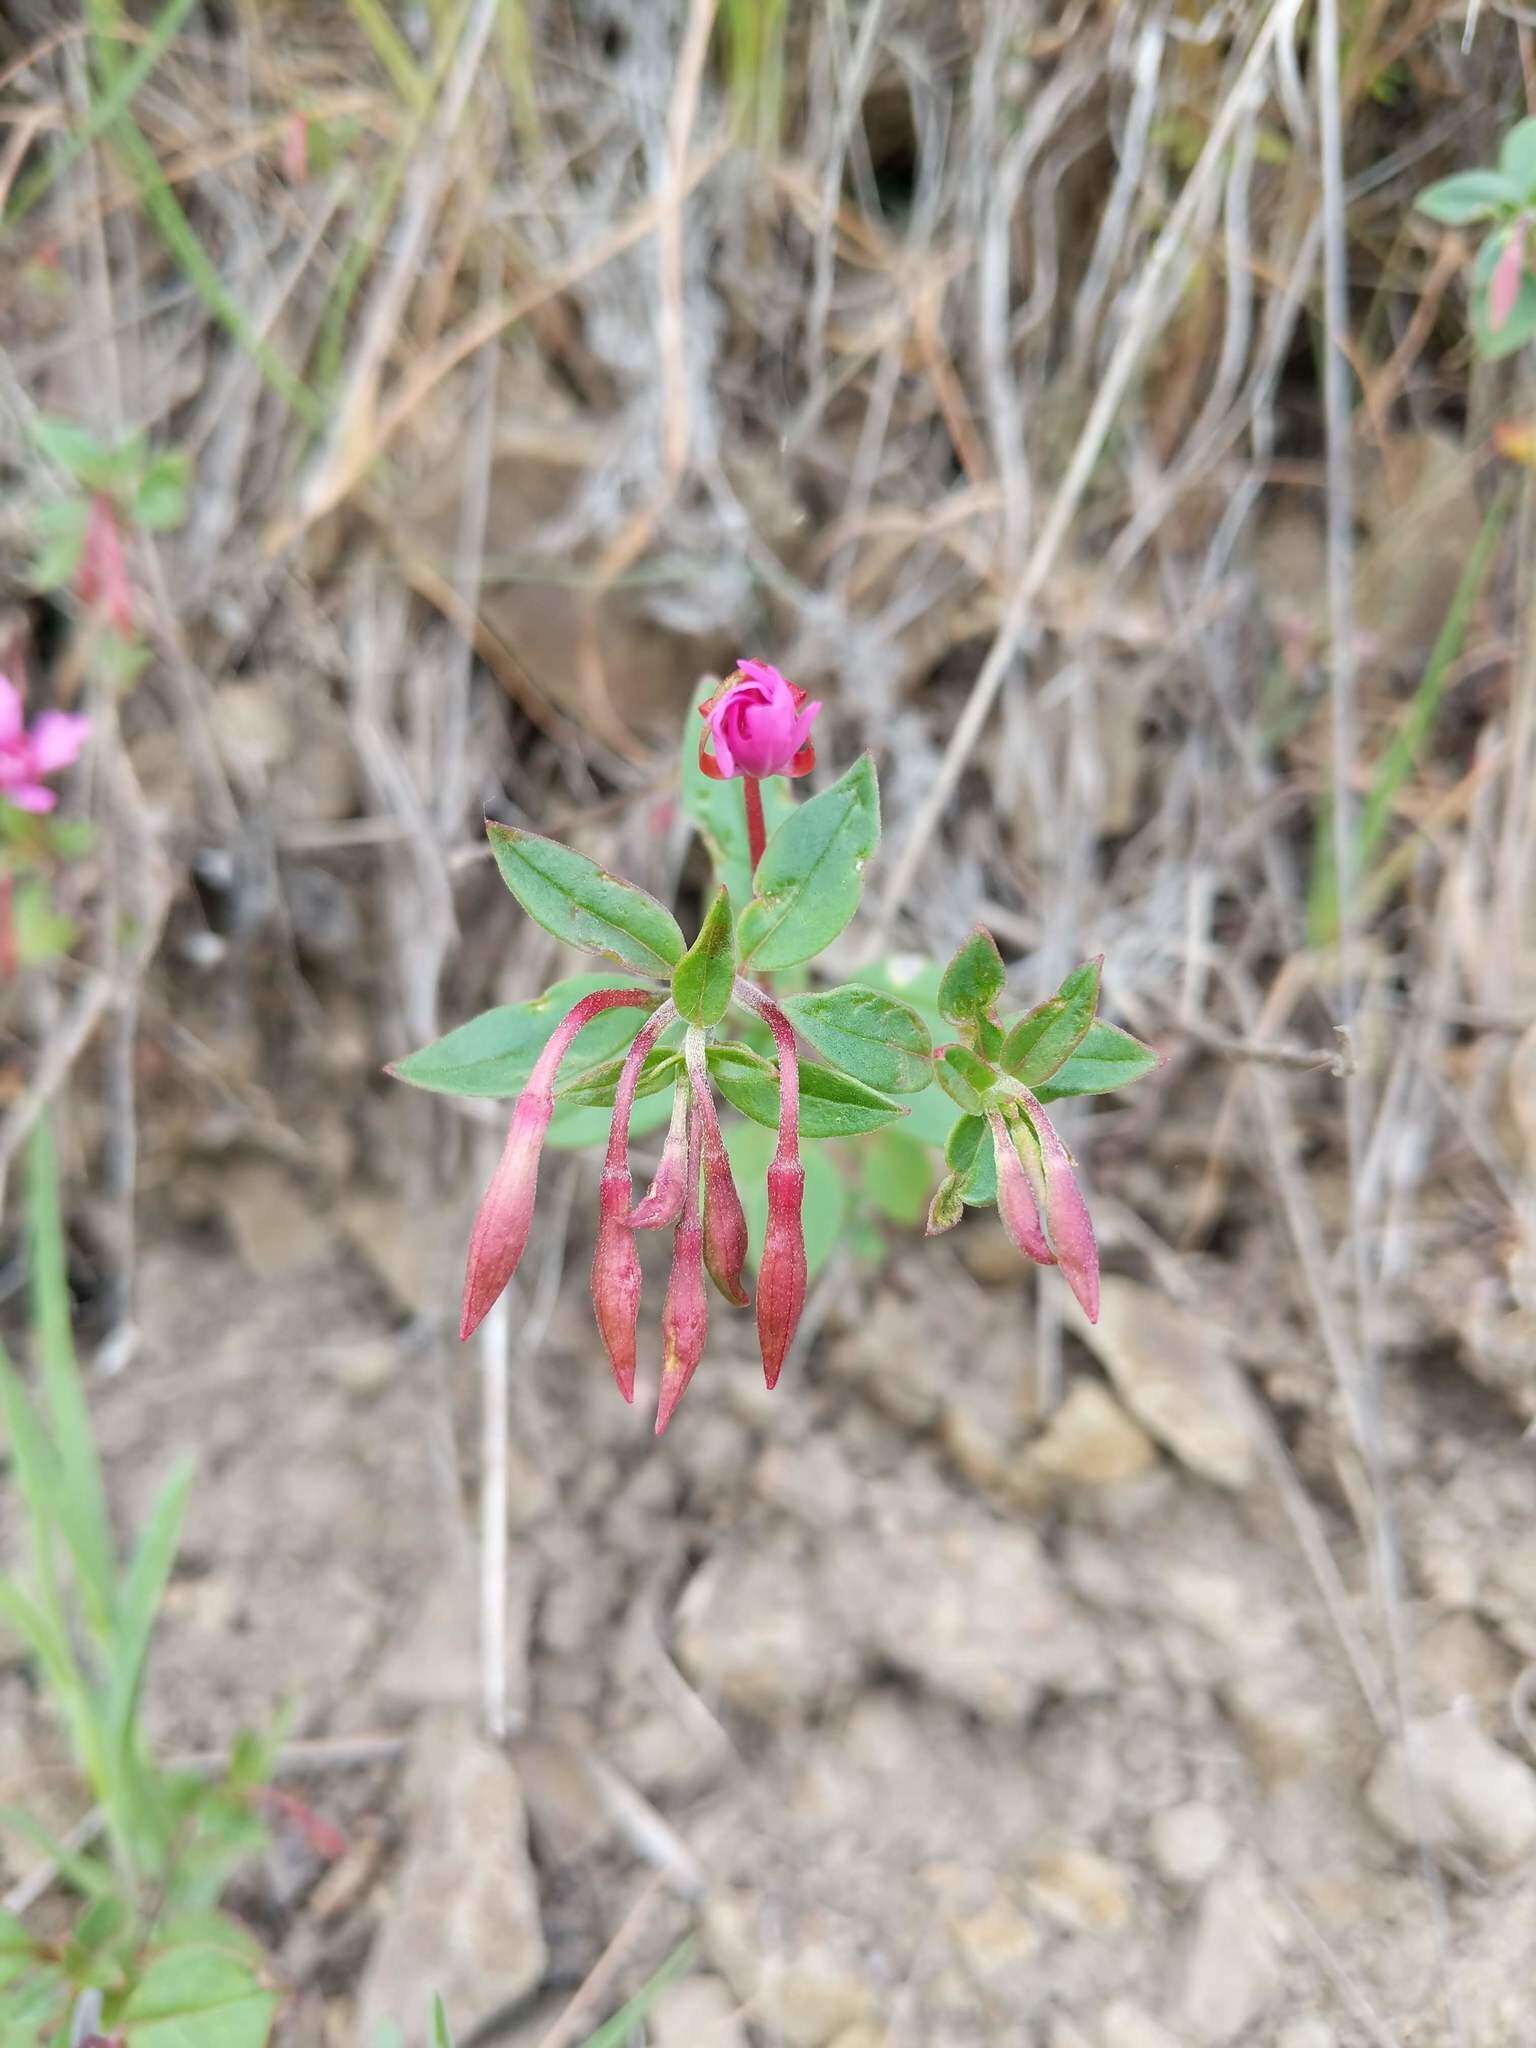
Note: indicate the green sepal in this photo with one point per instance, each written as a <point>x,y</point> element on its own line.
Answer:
<point>811,875</point>
<point>583,904</point>
<point>1051,1032</point>
<point>867,1034</point>
<point>968,1152</point>
<point>703,978</point>
<point>973,980</point>
<point>947,1206</point>
<point>832,1105</point>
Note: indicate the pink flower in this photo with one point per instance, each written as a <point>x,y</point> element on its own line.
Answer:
<point>505,1215</point>
<point>760,724</point>
<point>52,742</point>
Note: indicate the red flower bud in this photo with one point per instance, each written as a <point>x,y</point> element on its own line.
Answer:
<point>616,1263</point>
<point>506,1210</point>
<point>725,1221</point>
<point>782,1274</point>
<point>663,1202</point>
<point>1016,1201</point>
<point>685,1314</point>
<point>1066,1213</point>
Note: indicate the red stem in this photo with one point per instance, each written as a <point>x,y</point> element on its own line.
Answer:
<point>757,830</point>
<point>789,1065</point>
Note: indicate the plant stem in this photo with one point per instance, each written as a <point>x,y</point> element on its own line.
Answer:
<point>757,831</point>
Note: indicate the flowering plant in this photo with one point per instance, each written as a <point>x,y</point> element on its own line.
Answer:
<point>623,1040</point>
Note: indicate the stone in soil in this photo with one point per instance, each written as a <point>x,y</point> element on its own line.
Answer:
<point>1466,1793</point>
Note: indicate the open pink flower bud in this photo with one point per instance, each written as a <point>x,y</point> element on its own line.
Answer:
<point>725,1221</point>
<point>1066,1213</point>
<point>616,1263</point>
<point>53,741</point>
<point>1016,1202</point>
<point>504,1217</point>
<point>760,724</point>
<point>685,1313</point>
<point>663,1202</point>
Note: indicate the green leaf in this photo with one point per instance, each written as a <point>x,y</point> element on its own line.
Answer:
<point>832,1105</point>
<point>160,501</point>
<point>139,1601</point>
<point>1469,196</point>
<point>965,1077</point>
<point>750,1148</point>
<point>573,1128</point>
<point>867,1034</point>
<point>494,1053</point>
<point>811,875</point>
<point>1107,1058</point>
<point>717,812</point>
<point>90,461</point>
<point>1517,158</point>
<point>973,980</point>
<point>596,1087</point>
<point>582,904</point>
<point>41,933</point>
<point>441,2038</point>
<point>199,1989</point>
<point>58,530</point>
<point>702,979</point>
<point>895,1175</point>
<point>968,1153</point>
<point>1052,1031</point>
<point>947,1206</point>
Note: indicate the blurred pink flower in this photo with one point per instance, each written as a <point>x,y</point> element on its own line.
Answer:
<point>761,725</point>
<point>1504,285</point>
<point>28,753</point>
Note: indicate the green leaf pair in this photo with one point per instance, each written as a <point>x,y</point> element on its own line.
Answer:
<point>1503,289</point>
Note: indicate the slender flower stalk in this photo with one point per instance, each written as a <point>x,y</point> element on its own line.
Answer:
<point>782,1273</point>
<point>1017,1203</point>
<point>506,1210</point>
<point>757,829</point>
<point>616,1262</point>
<point>663,1202</point>
<point>1066,1213</point>
<point>725,1221</point>
<point>685,1314</point>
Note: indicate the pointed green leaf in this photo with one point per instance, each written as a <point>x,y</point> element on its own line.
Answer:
<point>1469,196</point>
<point>947,1206</point>
<point>965,1077</point>
<point>76,450</point>
<point>1052,1031</point>
<point>702,979</point>
<point>160,501</point>
<point>1107,1058</point>
<point>1517,158</point>
<point>58,534</point>
<point>973,980</point>
<point>832,1105</point>
<point>494,1053</point>
<point>968,1152</point>
<point>867,1034</point>
<point>583,904</point>
<point>811,875</point>
<point>139,1601</point>
<point>717,811</point>
<point>895,1175</point>
<point>441,2038</point>
<point>200,1988</point>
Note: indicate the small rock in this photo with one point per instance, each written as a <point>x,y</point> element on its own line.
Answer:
<point>1306,2033</point>
<point>1091,1441</point>
<point>728,1930</point>
<point>813,1999</point>
<point>1081,1890</point>
<point>1471,1794</point>
<point>1458,1658</point>
<point>811,1481</point>
<point>1187,1843</point>
<point>463,1921</point>
<point>1123,2025</point>
<point>999,1946</point>
<point>1233,1966</point>
<point>1288,1731</point>
<point>748,1634</point>
<point>699,2012</point>
<point>1172,1370</point>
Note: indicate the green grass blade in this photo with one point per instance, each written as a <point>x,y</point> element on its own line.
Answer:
<point>88,1876</point>
<point>161,34</point>
<point>139,1601</point>
<point>615,2033</point>
<point>390,47</point>
<point>81,1509</point>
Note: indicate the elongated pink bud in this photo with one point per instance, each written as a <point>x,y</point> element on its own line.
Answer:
<point>1016,1202</point>
<point>685,1314</point>
<point>663,1202</point>
<point>506,1209</point>
<point>725,1221</point>
<point>1066,1213</point>
<point>616,1263</point>
<point>1504,285</point>
<point>782,1274</point>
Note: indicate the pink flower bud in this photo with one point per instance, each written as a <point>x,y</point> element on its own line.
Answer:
<point>505,1214</point>
<point>1066,1213</point>
<point>782,1274</point>
<point>101,581</point>
<point>685,1314</point>
<point>663,1202</point>
<point>760,724</point>
<point>1504,285</point>
<point>725,1221</point>
<point>1016,1202</point>
<point>616,1263</point>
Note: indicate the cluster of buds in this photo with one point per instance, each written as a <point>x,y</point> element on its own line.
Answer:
<point>760,726</point>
